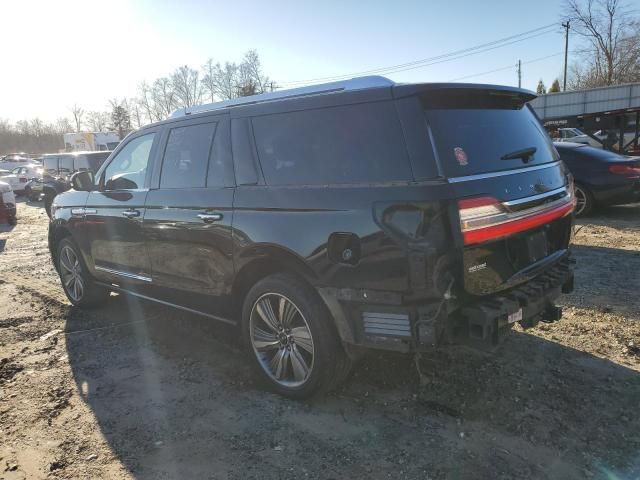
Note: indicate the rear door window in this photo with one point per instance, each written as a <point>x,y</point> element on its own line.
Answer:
<point>472,131</point>
<point>186,156</point>
<point>339,145</point>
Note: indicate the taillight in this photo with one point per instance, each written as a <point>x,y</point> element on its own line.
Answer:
<point>23,180</point>
<point>484,219</point>
<point>627,170</point>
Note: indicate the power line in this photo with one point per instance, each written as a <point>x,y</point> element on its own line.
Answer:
<point>544,30</point>
<point>508,67</point>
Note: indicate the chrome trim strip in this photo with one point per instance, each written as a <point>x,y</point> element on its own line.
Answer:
<point>480,176</point>
<point>123,274</point>
<point>169,304</point>
<point>533,198</point>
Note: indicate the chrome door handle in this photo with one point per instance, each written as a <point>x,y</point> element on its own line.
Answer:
<point>210,217</point>
<point>131,213</point>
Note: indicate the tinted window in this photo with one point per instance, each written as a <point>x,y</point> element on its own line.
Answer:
<point>128,169</point>
<point>91,161</point>
<point>348,144</point>
<point>186,156</point>
<point>66,164</point>
<point>51,165</point>
<point>473,140</point>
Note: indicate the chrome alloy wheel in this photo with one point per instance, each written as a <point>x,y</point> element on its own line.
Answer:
<point>581,200</point>
<point>71,273</point>
<point>281,340</point>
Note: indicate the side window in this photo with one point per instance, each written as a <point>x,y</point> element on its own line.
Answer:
<point>348,144</point>
<point>187,155</point>
<point>128,169</point>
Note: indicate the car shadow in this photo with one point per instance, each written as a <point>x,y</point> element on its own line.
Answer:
<point>174,398</point>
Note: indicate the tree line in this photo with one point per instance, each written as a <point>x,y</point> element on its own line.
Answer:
<point>155,101</point>
<point>608,41</point>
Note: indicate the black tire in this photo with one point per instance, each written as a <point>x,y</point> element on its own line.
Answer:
<point>92,294</point>
<point>585,201</point>
<point>328,364</point>
<point>48,201</point>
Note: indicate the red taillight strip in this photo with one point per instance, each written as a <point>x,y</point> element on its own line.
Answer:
<point>502,230</point>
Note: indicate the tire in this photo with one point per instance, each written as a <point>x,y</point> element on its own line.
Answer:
<point>290,338</point>
<point>585,202</point>
<point>78,284</point>
<point>48,201</point>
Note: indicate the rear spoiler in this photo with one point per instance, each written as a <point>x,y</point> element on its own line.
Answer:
<point>465,95</point>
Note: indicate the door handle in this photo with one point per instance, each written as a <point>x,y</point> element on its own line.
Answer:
<point>131,213</point>
<point>210,217</point>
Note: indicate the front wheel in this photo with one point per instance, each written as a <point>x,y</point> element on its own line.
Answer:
<point>78,285</point>
<point>291,339</point>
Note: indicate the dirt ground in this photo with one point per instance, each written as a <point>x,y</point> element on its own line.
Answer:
<point>135,390</point>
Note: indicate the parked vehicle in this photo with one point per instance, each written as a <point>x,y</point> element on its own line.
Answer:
<point>601,177</point>
<point>330,219</point>
<point>19,177</point>
<point>7,204</point>
<point>59,167</point>
<point>90,141</point>
<point>13,160</point>
<point>574,135</point>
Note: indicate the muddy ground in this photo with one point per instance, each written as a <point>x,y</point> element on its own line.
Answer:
<point>135,390</point>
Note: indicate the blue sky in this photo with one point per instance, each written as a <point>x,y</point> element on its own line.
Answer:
<point>86,52</point>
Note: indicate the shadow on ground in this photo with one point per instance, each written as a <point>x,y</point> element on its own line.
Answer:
<point>175,401</point>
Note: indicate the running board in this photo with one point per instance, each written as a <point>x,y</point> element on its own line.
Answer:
<point>118,289</point>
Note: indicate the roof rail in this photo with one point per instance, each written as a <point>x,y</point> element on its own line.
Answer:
<point>360,83</point>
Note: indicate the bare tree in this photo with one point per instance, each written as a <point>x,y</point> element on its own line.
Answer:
<point>78,114</point>
<point>613,37</point>
<point>187,86</point>
<point>251,69</point>
<point>62,126</point>
<point>209,84</point>
<point>97,121</point>
<point>163,96</point>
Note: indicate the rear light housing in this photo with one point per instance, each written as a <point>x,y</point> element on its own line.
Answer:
<point>484,219</point>
<point>626,170</point>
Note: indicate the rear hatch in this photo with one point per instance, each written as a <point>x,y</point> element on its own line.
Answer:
<point>514,195</point>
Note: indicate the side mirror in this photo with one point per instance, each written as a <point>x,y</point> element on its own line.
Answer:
<point>82,181</point>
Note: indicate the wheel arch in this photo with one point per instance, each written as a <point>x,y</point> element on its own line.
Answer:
<point>260,261</point>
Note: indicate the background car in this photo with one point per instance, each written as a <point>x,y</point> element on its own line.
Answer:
<point>574,135</point>
<point>13,160</point>
<point>58,169</point>
<point>20,176</point>
<point>7,204</point>
<point>601,177</point>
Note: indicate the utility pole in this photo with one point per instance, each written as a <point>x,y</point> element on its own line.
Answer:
<point>519,74</point>
<point>566,52</point>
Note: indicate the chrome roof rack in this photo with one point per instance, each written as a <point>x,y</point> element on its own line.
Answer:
<point>361,83</point>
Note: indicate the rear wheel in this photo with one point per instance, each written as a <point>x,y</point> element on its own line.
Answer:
<point>584,201</point>
<point>292,342</point>
<point>78,285</point>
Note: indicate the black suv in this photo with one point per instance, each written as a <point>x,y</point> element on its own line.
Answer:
<point>325,220</point>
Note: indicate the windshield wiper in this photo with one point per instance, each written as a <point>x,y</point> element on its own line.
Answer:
<point>525,154</point>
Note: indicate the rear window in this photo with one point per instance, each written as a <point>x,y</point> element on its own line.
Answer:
<point>347,144</point>
<point>472,131</point>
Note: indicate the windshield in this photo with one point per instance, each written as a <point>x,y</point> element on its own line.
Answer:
<point>474,140</point>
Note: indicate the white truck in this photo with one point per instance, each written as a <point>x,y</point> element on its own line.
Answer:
<point>90,141</point>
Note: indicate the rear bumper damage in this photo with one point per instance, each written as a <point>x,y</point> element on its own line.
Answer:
<point>384,320</point>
